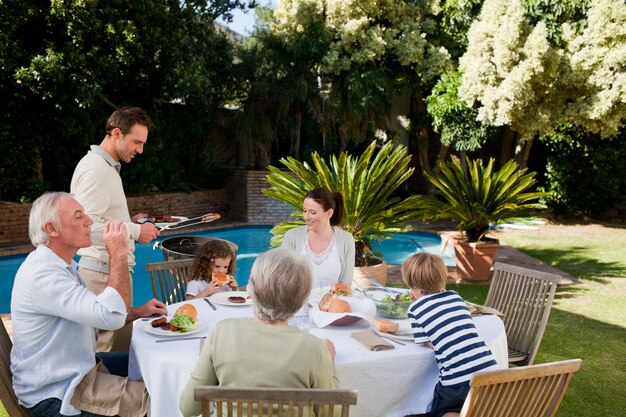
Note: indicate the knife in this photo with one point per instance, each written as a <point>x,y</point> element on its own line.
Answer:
<point>210,303</point>
<point>180,338</point>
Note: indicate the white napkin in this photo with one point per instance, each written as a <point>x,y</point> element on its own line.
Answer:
<point>361,307</point>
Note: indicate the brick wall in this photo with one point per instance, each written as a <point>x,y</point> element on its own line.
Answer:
<point>252,206</point>
<point>240,199</point>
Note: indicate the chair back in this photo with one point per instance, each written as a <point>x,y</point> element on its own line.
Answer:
<point>525,297</point>
<point>526,391</point>
<point>7,396</point>
<point>169,279</point>
<point>285,402</point>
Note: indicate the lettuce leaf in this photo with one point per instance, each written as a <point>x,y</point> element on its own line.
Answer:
<point>184,323</point>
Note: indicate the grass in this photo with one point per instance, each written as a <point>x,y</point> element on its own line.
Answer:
<point>588,320</point>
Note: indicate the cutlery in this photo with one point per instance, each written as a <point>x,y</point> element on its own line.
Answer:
<point>210,303</point>
<point>180,338</point>
<point>392,340</point>
<point>390,290</point>
<point>191,222</point>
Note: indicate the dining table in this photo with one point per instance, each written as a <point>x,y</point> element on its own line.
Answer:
<point>391,383</point>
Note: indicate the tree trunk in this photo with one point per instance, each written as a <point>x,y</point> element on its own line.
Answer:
<point>297,133</point>
<point>522,152</point>
<point>508,137</point>
<point>38,163</point>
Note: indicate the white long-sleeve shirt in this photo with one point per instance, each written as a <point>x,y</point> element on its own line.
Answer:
<point>97,185</point>
<point>54,319</point>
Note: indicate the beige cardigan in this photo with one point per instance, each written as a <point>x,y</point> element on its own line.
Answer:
<point>294,239</point>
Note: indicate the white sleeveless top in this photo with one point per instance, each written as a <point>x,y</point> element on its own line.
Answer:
<point>326,265</point>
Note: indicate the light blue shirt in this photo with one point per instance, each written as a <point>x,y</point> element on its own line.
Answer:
<point>55,318</point>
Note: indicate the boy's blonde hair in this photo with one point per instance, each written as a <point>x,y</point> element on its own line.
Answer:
<point>425,272</point>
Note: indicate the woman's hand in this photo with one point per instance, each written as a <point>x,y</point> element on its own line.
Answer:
<point>331,347</point>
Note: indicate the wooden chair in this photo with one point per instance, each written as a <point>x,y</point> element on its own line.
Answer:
<point>526,391</point>
<point>525,297</point>
<point>284,402</point>
<point>7,396</point>
<point>169,279</point>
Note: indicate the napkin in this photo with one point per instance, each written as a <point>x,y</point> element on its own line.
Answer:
<point>476,310</point>
<point>371,340</point>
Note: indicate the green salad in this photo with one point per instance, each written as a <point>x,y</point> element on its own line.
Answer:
<point>183,323</point>
<point>394,307</point>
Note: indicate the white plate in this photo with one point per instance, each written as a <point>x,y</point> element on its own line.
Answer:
<point>404,333</point>
<point>222,298</point>
<point>180,219</point>
<point>160,332</point>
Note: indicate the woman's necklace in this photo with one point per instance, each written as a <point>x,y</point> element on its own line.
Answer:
<point>318,258</point>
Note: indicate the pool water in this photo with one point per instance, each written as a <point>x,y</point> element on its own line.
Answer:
<point>252,241</point>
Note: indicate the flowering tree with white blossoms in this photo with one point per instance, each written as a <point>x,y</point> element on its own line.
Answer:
<point>516,77</point>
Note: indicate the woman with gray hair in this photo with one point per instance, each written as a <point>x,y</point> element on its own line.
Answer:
<point>265,351</point>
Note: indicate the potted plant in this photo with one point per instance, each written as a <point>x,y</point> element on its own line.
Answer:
<point>477,198</point>
<point>367,182</point>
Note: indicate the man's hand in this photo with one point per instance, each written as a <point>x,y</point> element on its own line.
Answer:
<point>115,238</point>
<point>148,233</point>
<point>153,308</point>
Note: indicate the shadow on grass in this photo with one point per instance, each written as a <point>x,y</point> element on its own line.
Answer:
<point>599,388</point>
<point>573,261</point>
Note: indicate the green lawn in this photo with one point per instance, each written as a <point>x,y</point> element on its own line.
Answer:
<point>588,320</point>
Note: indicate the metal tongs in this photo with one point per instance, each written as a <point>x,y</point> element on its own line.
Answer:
<point>191,222</point>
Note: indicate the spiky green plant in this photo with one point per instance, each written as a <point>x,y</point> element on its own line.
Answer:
<point>479,196</point>
<point>367,182</point>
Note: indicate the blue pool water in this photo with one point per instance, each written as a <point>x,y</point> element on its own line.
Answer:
<point>252,240</point>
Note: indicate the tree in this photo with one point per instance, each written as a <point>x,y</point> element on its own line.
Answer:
<point>66,65</point>
<point>517,75</point>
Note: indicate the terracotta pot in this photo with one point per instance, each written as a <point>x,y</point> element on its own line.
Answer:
<point>378,272</point>
<point>474,259</point>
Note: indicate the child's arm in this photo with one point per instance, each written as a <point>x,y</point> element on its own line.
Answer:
<point>233,284</point>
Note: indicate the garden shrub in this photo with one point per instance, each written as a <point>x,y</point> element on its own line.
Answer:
<point>584,173</point>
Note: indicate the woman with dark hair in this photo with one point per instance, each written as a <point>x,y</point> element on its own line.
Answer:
<point>330,248</point>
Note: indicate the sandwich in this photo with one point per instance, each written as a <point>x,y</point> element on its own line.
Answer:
<point>330,303</point>
<point>184,319</point>
<point>220,278</point>
<point>341,289</point>
<point>386,326</point>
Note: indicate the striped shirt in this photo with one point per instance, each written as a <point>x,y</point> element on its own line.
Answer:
<point>444,320</point>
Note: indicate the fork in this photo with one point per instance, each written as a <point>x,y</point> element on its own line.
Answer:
<point>392,340</point>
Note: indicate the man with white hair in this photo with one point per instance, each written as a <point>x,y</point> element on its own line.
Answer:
<point>55,317</point>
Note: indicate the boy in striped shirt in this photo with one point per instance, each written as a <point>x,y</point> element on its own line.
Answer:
<point>441,319</point>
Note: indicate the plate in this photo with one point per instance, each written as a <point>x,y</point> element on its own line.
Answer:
<point>180,219</point>
<point>404,333</point>
<point>160,332</point>
<point>222,298</point>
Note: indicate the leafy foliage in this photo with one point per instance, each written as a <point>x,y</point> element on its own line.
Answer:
<point>453,118</point>
<point>480,196</point>
<point>368,183</point>
<point>584,174</point>
<point>67,65</point>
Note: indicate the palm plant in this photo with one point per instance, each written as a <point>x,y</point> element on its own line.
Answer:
<point>478,196</point>
<point>367,182</point>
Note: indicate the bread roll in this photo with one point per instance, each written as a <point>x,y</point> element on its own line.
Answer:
<point>220,278</point>
<point>386,326</point>
<point>333,304</point>
<point>187,310</point>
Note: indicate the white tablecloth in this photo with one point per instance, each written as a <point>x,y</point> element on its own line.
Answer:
<point>392,383</point>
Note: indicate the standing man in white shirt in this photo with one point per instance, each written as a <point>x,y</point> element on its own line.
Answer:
<point>55,317</point>
<point>97,185</point>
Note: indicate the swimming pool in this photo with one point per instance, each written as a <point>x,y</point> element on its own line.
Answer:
<point>252,240</point>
